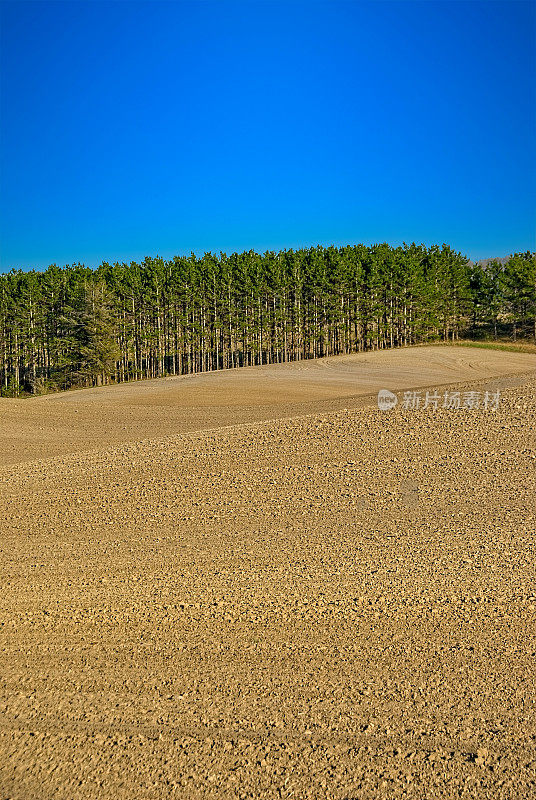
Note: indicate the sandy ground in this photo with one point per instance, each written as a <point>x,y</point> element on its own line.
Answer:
<point>263,587</point>
<point>71,422</point>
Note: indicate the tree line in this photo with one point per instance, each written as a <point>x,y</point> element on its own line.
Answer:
<point>74,326</point>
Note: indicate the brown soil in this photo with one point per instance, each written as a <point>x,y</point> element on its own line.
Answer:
<point>71,422</point>
<point>253,584</point>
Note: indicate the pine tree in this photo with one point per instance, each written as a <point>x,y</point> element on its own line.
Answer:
<point>94,346</point>
<point>79,327</point>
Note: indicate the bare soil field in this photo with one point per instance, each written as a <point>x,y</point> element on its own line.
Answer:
<point>256,584</point>
<point>87,419</point>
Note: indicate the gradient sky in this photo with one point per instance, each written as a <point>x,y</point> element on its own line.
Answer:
<point>132,129</point>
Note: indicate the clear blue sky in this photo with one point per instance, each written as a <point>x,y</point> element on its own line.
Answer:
<point>132,129</point>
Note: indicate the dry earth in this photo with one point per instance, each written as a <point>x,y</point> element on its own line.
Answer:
<point>72,422</point>
<point>256,585</point>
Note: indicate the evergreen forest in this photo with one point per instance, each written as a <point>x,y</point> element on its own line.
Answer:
<point>74,326</point>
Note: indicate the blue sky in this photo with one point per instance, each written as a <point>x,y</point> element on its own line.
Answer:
<point>132,129</point>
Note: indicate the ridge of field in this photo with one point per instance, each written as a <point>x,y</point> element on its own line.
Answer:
<point>87,419</point>
<point>339,605</point>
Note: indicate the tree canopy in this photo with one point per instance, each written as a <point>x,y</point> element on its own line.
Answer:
<point>74,326</point>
